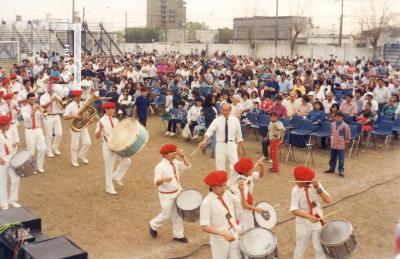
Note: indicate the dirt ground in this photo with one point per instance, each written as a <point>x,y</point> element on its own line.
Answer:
<point>73,202</point>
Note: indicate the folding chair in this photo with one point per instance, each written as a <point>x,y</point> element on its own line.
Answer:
<point>252,121</point>
<point>295,121</point>
<point>385,129</point>
<point>323,132</point>
<point>355,136</point>
<point>299,138</point>
<point>396,125</point>
<point>348,119</point>
<point>160,101</point>
<point>380,119</point>
<point>262,124</point>
<point>166,117</point>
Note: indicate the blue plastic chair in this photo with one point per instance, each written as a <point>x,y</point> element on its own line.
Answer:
<point>348,119</point>
<point>303,128</point>
<point>396,125</point>
<point>355,137</point>
<point>262,125</point>
<point>298,141</point>
<point>294,122</point>
<point>385,130</point>
<point>252,117</point>
<point>285,122</point>
<point>323,132</point>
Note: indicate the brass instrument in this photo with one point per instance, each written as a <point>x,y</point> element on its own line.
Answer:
<point>87,112</point>
<point>60,102</point>
<point>41,110</point>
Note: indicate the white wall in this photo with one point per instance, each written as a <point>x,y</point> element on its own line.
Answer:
<point>261,50</point>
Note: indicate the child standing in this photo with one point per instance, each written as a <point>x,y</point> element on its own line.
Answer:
<point>142,105</point>
<point>276,131</point>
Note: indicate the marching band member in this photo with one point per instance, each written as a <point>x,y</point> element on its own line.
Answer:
<point>306,207</point>
<point>243,167</point>
<point>87,87</point>
<point>218,216</point>
<point>229,140</point>
<point>71,112</point>
<point>23,93</point>
<point>104,128</point>
<point>52,122</point>
<point>34,137</point>
<point>166,178</point>
<point>10,108</point>
<point>14,84</point>
<point>6,152</point>
<point>6,86</point>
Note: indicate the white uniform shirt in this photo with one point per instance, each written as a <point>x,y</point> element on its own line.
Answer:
<point>165,169</point>
<point>6,142</point>
<point>71,109</point>
<point>218,126</point>
<point>53,108</point>
<point>248,184</point>
<point>213,213</point>
<point>5,110</point>
<point>26,115</point>
<point>107,126</point>
<point>299,202</point>
<point>23,93</point>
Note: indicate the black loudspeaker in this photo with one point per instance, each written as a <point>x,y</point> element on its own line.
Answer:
<point>54,248</point>
<point>22,215</point>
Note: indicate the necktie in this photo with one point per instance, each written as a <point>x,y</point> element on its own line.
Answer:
<point>175,174</point>
<point>228,215</point>
<point>33,121</point>
<point>310,206</point>
<point>6,149</point>
<point>226,130</point>
<point>249,195</point>
<point>111,121</point>
<point>11,118</point>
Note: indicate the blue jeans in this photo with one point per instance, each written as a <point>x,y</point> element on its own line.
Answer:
<point>337,155</point>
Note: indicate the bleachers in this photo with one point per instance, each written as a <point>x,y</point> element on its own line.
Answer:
<point>391,53</point>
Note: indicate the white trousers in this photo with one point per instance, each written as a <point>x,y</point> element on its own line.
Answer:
<point>223,152</point>
<point>34,140</point>
<point>110,158</point>
<point>14,135</point>
<point>52,124</point>
<point>5,171</point>
<point>222,249</point>
<point>305,232</point>
<point>86,143</point>
<point>168,210</point>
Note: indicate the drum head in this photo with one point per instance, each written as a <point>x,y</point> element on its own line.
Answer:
<point>257,242</point>
<point>123,135</point>
<point>335,232</point>
<point>189,200</point>
<point>266,220</point>
<point>19,158</point>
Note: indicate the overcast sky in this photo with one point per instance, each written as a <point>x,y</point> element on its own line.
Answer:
<point>216,13</point>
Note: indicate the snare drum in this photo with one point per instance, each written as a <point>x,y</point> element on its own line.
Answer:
<point>268,219</point>
<point>337,239</point>
<point>188,205</point>
<point>128,137</point>
<point>23,163</point>
<point>259,243</point>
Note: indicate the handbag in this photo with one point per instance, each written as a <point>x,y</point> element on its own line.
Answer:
<point>186,132</point>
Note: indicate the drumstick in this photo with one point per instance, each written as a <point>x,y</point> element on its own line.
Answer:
<point>194,151</point>
<point>298,181</point>
<point>243,237</point>
<point>276,206</point>
<point>331,213</point>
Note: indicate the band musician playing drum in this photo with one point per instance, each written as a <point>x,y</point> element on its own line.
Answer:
<point>306,207</point>
<point>166,178</point>
<point>218,216</point>
<point>71,112</point>
<point>103,129</point>
<point>6,152</point>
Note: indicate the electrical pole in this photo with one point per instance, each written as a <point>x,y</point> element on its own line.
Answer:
<point>73,11</point>
<point>83,15</point>
<point>126,25</point>
<point>341,27</point>
<point>276,28</point>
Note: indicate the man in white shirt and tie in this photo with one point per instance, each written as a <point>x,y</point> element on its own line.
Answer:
<point>52,122</point>
<point>70,113</point>
<point>103,130</point>
<point>10,108</point>
<point>34,137</point>
<point>229,140</point>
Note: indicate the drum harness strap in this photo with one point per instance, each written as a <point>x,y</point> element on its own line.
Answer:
<point>311,205</point>
<point>229,215</point>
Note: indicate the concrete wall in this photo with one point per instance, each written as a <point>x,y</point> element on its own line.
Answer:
<point>260,51</point>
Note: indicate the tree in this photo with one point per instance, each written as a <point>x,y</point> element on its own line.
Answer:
<point>192,27</point>
<point>377,23</point>
<point>297,26</point>
<point>225,35</point>
<point>142,35</point>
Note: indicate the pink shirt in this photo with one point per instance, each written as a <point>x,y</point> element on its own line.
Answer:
<point>339,136</point>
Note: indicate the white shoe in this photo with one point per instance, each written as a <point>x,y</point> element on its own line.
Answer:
<point>118,182</point>
<point>14,204</point>
<point>172,134</point>
<point>4,208</point>
<point>50,154</point>
<point>84,160</point>
<point>167,133</point>
<point>40,170</point>
<point>112,192</point>
<point>56,152</point>
<point>75,164</point>
<point>35,173</point>
<point>270,161</point>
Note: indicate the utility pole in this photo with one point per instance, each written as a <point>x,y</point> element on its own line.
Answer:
<point>73,11</point>
<point>126,25</point>
<point>276,28</point>
<point>341,27</point>
<point>83,15</point>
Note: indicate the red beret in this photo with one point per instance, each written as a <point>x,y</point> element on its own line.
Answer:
<point>8,96</point>
<point>5,81</point>
<point>108,105</point>
<point>53,79</point>
<point>168,148</point>
<point>76,93</point>
<point>13,76</point>
<point>216,178</point>
<point>303,173</point>
<point>4,119</point>
<point>244,165</point>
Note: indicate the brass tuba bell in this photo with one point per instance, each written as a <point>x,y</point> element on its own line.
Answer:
<point>87,112</point>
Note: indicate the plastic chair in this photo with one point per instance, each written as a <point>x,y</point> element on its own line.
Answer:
<point>355,136</point>
<point>323,132</point>
<point>285,122</point>
<point>303,128</point>
<point>348,119</point>
<point>168,116</point>
<point>300,138</point>
<point>294,122</point>
<point>385,130</point>
<point>396,125</point>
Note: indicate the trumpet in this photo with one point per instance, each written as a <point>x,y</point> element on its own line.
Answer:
<point>59,100</point>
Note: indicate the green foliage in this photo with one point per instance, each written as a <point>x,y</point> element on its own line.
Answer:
<point>142,35</point>
<point>193,26</point>
<point>225,35</point>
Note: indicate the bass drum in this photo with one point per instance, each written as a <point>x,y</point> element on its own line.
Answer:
<point>259,243</point>
<point>128,137</point>
<point>188,205</point>
<point>23,163</point>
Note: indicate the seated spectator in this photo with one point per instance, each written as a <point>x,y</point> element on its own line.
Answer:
<point>317,116</point>
<point>266,104</point>
<point>237,108</point>
<point>366,117</point>
<point>256,109</point>
<point>369,97</point>
<point>254,98</point>
<point>319,95</point>
<point>390,108</point>
<point>247,104</point>
<point>332,112</point>
<point>168,101</point>
<point>194,114</point>
<point>348,107</point>
<point>179,118</point>
<point>124,103</point>
<point>299,87</point>
<point>305,107</point>
<point>291,103</point>
<point>279,108</point>
<point>200,127</point>
<point>328,102</point>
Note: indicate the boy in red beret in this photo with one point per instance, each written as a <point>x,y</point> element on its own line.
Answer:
<point>218,216</point>
<point>6,152</point>
<point>306,207</point>
<point>103,130</point>
<point>10,108</point>
<point>243,167</point>
<point>167,180</point>
<point>70,113</point>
